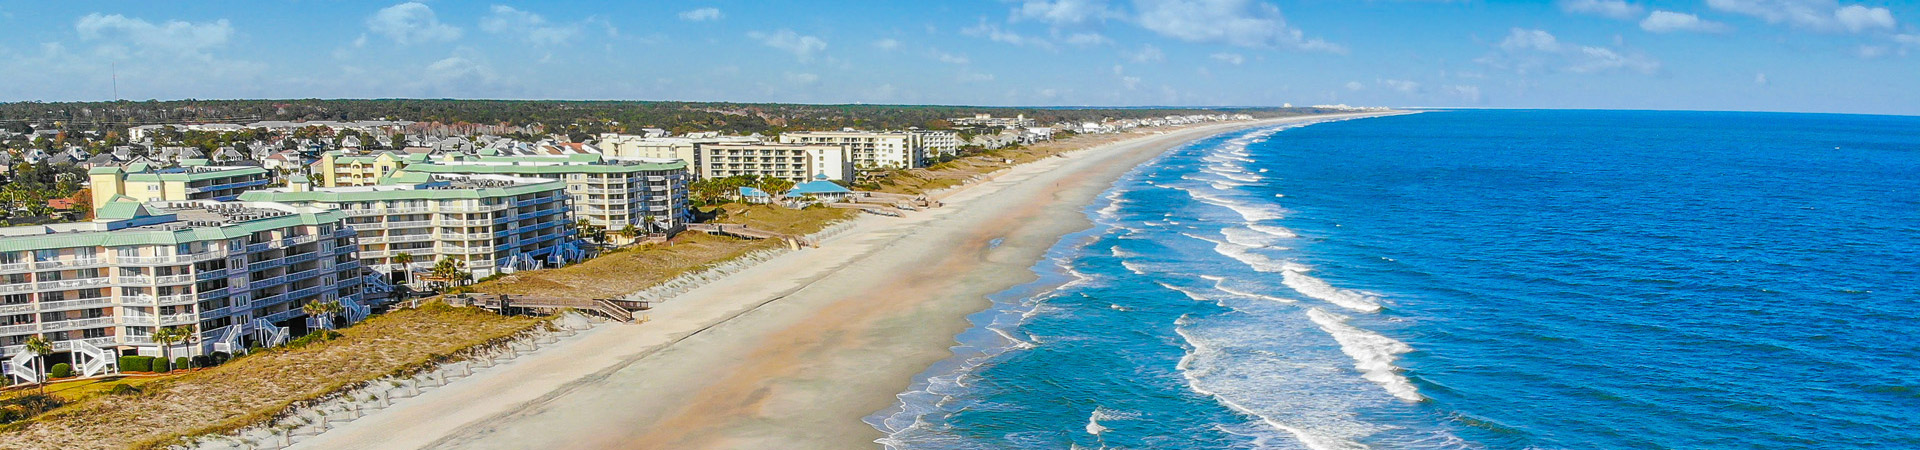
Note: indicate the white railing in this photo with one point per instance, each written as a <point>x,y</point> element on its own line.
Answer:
<point>16,308</point>
<point>70,284</point>
<point>177,299</point>
<point>149,260</point>
<point>137,280</point>
<point>15,267</point>
<point>177,319</point>
<point>16,287</point>
<point>407,224</point>
<point>72,304</point>
<point>173,279</point>
<point>75,324</point>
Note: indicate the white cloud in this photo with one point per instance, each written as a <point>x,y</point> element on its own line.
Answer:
<point>174,37</point>
<point>1599,59</point>
<point>1668,21</point>
<point>1470,93</point>
<point>702,15</point>
<point>527,26</point>
<point>1911,40</point>
<point>1760,79</point>
<point>1404,86</point>
<point>950,58</point>
<point>1355,86</point>
<point>1616,9</point>
<point>1523,39</point>
<point>802,47</point>
<point>975,77</point>
<point>1529,51</point>
<point>887,44</point>
<point>995,33</point>
<point>411,22</point>
<point>1817,15</point>
<point>802,78</point>
<point>1063,12</point>
<point>1130,83</point>
<point>1230,58</point>
<point>1244,23</point>
<point>1087,39</point>
<point>1147,54</point>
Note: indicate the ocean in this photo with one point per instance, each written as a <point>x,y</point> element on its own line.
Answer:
<point>1467,279</point>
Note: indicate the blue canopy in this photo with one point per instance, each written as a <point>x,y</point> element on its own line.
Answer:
<point>753,193</point>
<point>818,188</point>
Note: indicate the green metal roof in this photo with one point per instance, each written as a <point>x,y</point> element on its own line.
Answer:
<point>138,236</point>
<point>361,195</point>
<point>542,167</point>
<point>119,210</point>
<point>192,175</point>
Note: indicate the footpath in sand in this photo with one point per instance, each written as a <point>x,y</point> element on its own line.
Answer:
<point>789,354</point>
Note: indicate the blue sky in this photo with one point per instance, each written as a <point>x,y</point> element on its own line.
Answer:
<point>1769,55</point>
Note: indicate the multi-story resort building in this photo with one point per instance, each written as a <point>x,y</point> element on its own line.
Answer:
<point>650,195</point>
<point>625,146</point>
<point>235,272</point>
<point>935,143</point>
<point>192,180</point>
<point>796,162</point>
<point>341,169</point>
<point>489,223</point>
<point>869,149</point>
<point>988,120</point>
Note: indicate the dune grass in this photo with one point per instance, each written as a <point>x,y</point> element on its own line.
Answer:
<point>256,388</point>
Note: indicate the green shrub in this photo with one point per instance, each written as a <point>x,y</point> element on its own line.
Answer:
<point>218,358</point>
<point>61,370</point>
<point>135,364</point>
<point>182,363</point>
<point>123,389</point>
<point>201,362</point>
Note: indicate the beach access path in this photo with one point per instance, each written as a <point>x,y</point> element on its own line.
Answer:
<point>789,354</point>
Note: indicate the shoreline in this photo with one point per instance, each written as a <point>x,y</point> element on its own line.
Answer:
<point>793,352</point>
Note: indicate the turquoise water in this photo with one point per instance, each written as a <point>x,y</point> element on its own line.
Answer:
<point>1468,279</point>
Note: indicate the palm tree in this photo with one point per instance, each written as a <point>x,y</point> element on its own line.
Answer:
<point>403,259</point>
<point>630,232</point>
<point>40,348</point>
<point>449,270</point>
<point>323,310</point>
<point>168,336</point>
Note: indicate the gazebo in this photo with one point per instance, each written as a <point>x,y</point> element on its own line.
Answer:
<point>820,189</point>
<point>755,195</point>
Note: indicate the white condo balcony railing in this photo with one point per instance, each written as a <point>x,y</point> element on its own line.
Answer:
<point>73,284</point>
<point>177,299</point>
<point>76,304</point>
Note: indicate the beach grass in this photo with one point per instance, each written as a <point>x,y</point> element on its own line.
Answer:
<point>256,388</point>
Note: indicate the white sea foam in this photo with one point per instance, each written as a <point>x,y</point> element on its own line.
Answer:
<point>1221,284</point>
<point>1373,354</point>
<point>1201,363</point>
<point>1250,237</point>
<point>1279,232</point>
<point>1244,254</point>
<point>1251,212</point>
<point>1295,276</point>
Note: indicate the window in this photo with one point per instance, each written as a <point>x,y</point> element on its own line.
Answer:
<point>153,188</point>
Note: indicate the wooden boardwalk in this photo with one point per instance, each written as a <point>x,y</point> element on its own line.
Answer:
<point>745,232</point>
<point>620,310</point>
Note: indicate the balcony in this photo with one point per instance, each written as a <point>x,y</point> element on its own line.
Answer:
<point>75,324</point>
<point>76,304</point>
<point>463,223</point>
<point>269,281</point>
<point>270,300</point>
<point>305,274</point>
<point>15,267</point>
<point>303,257</point>
<point>177,299</point>
<point>16,287</point>
<point>264,265</point>
<point>405,210</point>
<point>301,239</point>
<point>156,260</point>
<point>17,308</point>
<point>172,320</point>
<point>407,224</point>
<point>308,291</point>
<point>73,284</point>
<point>283,315</point>
<point>173,279</point>
<point>226,186</point>
<point>213,294</point>
<point>210,274</point>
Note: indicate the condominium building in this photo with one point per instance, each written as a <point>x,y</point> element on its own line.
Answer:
<point>935,143</point>
<point>192,180</point>
<point>235,272</point>
<point>626,146</point>
<point>342,169</point>
<point>795,162</point>
<point>870,149</point>
<point>988,120</point>
<point>486,222</point>
<point>650,195</point>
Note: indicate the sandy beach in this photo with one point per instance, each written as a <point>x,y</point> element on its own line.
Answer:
<point>789,354</point>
